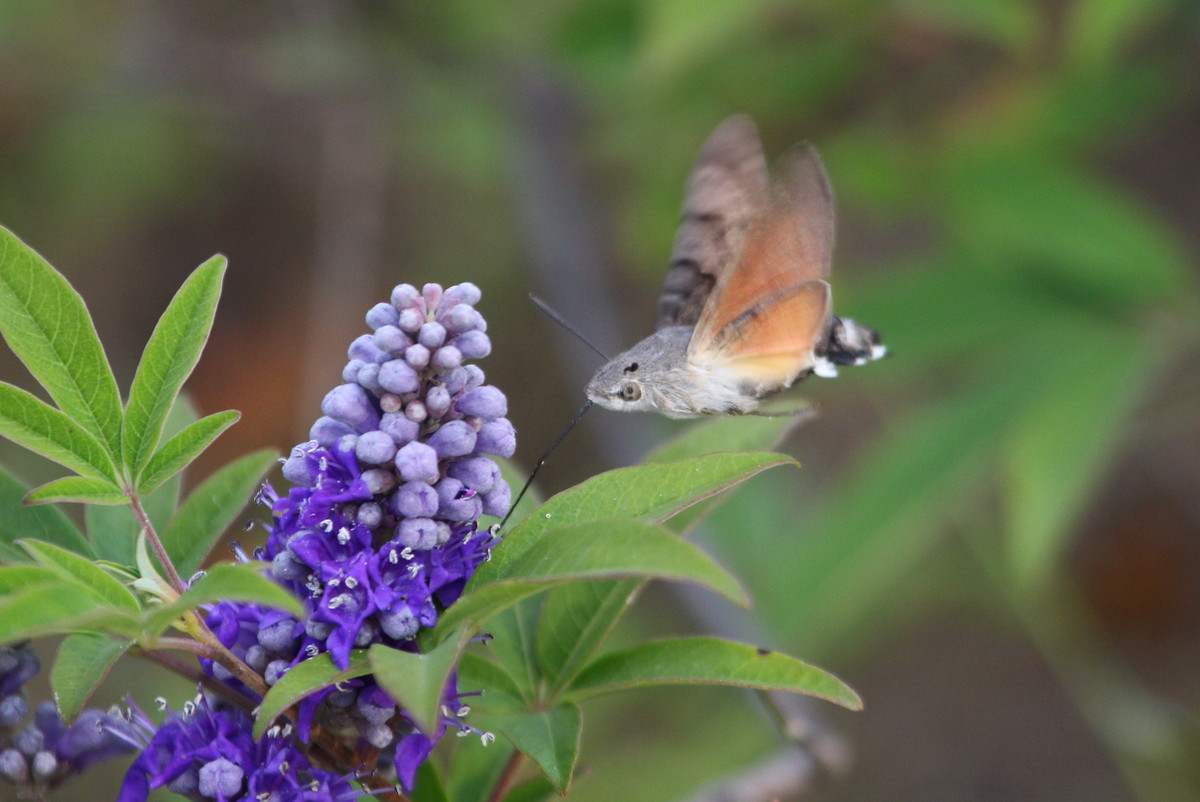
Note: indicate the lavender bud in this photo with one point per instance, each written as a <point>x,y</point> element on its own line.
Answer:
<point>376,714</point>
<point>327,431</point>
<point>390,339</point>
<point>370,514</point>
<point>14,708</point>
<point>221,672</point>
<point>257,658</point>
<point>368,377</point>
<point>379,480</point>
<point>497,437</point>
<point>295,468</point>
<point>437,401</point>
<point>477,473</point>
<point>418,533</point>
<point>350,404</point>
<point>415,500</point>
<point>498,500</point>
<point>14,767</point>
<point>285,567</point>
<point>275,670</point>
<point>317,630</point>
<point>220,778</point>
<point>432,335</point>
<point>350,372</point>
<point>453,439</point>
<point>399,625</point>
<point>466,293</point>
<point>186,784</point>
<point>417,356</point>
<point>363,349</point>
<point>399,428</point>
<point>473,344</point>
<point>404,295</point>
<point>377,448</point>
<point>411,319</point>
<point>416,411</point>
<point>397,377</point>
<point>456,503</point>
<point>278,638</point>
<point>44,764</point>
<point>381,315</point>
<point>475,377</point>
<point>432,293</point>
<point>460,318</point>
<point>417,462</point>
<point>30,741</point>
<point>446,358</point>
<point>456,381</point>
<point>365,636</point>
<point>379,736</point>
<point>484,402</point>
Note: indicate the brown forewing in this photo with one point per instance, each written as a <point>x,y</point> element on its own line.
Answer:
<point>757,307</point>
<point>727,191</point>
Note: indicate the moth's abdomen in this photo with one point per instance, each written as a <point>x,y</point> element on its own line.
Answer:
<point>848,343</point>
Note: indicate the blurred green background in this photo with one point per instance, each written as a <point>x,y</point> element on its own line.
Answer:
<point>995,534</point>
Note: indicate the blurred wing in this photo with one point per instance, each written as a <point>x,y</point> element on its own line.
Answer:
<point>765,316</point>
<point>726,192</point>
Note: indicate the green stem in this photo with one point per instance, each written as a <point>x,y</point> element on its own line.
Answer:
<point>135,503</point>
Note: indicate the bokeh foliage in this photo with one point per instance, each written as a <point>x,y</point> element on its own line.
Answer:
<point>1016,185</point>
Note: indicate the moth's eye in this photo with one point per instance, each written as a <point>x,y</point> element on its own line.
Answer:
<point>631,368</point>
<point>631,392</point>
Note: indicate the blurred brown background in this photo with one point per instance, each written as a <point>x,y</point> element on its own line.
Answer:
<point>994,537</point>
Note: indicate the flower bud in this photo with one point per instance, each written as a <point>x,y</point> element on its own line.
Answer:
<point>375,448</point>
<point>417,356</point>
<point>382,314</point>
<point>454,439</point>
<point>399,428</point>
<point>404,295</point>
<point>327,431</point>
<point>350,404</point>
<point>473,344</point>
<point>484,402</point>
<point>497,437</point>
<point>396,376</point>
<point>432,335</point>
<point>390,339</point>
<point>418,533</point>
<point>446,358</point>
<point>477,473</point>
<point>417,462</point>
<point>415,500</point>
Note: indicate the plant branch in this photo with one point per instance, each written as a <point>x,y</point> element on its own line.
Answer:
<point>139,512</point>
<point>196,675</point>
<point>506,777</point>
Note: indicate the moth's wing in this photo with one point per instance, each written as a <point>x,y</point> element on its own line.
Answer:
<point>767,314</point>
<point>727,191</point>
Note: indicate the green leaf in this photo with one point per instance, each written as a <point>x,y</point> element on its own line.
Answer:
<point>83,661</point>
<point>114,530</point>
<point>51,608</point>
<point>44,523</point>
<point>708,661</point>
<point>19,577</point>
<point>514,633</point>
<point>418,681</point>
<point>184,447</point>
<point>1060,446</point>
<point>83,571</point>
<point>576,617</point>
<point>590,550</point>
<point>476,769</point>
<point>77,489</point>
<point>538,789</point>
<point>504,692</point>
<point>428,786</point>
<point>550,737</point>
<point>212,507</point>
<point>47,326</point>
<point>303,679</point>
<point>31,422</point>
<point>168,360</point>
<point>241,582</point>
<point>575,620</point>
<point>647,492</point>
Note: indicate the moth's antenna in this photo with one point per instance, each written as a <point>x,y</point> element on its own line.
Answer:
<point>550,313</point>
<point>542,461</point>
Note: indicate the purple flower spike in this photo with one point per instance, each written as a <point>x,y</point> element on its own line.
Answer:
<point>351,404</point>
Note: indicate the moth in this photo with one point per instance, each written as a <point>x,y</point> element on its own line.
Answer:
<point>746,308</point>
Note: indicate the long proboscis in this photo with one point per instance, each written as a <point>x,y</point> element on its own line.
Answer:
<point>557,318</point>
<point>542,461</point>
